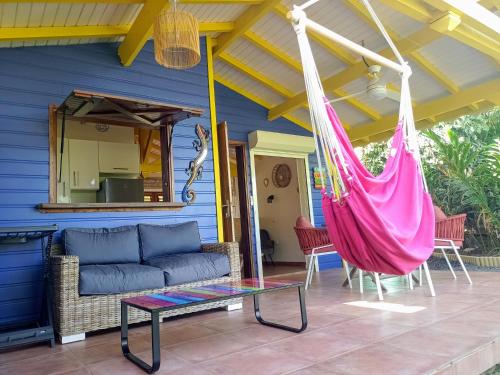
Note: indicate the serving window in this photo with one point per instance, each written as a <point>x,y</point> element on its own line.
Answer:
<point>111,153</point>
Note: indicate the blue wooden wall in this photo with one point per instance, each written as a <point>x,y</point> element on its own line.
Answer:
<point>243,117</point>
<point>33,78</point>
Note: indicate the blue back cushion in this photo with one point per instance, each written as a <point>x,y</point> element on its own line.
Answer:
<point>103,245</point>
<point>161,240</point>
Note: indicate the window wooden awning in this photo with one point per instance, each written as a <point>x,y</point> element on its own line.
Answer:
<point>124,111</point>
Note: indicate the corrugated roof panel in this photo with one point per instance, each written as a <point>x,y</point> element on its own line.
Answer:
<point>214,12</point>
<point>250,85</point>
<point>400,23</point>
<point>424,87</point>
<point>8,14</point>
<point>339,18</point>
<point>347,113</point>
<point>462,64</point>
<point>278,31</point>
<point>257,59</point>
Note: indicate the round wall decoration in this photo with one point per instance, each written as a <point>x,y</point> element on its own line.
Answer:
<point>281,175</point>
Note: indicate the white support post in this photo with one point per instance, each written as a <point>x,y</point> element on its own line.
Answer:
<point>347,271</point>
<point>448,263</point>
<point>72,338</point>
<point>234,306</point>
<point>429,279</point>
<point>360,274</point>
<point>379,287</point>
<point>455,249</point>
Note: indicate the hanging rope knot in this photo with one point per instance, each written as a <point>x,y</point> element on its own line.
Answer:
<point>297,16</point>
<point>407,72</point>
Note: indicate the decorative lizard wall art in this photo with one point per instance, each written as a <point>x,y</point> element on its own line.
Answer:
<point>196,165</point>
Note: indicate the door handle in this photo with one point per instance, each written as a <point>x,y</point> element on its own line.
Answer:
<point>74,178</point>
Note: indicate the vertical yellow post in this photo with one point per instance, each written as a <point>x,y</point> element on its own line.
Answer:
<point>215,143</point>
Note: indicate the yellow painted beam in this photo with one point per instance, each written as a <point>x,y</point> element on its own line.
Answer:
<point>474,14</point>
<point>256,75</point>
<point>426,65</point>
<point>11,34</point>
<point>274,51</point>
<point>405,46</point>
<point>295,65</point>
<point>227,2</point>
<point>215,141</point>
<point>140,31</point>
<point>242,24</point>
<point>340,52</point>
<point>216,27</point>
<point>489,91</point>
<point>463,28</point>
<point>240,90</point>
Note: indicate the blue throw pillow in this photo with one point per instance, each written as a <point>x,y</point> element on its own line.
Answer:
<point>103,245</point>
<point>161,240</point>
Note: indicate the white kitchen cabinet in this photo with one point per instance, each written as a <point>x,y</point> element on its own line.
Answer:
<point>83,165</point>
<point>63,190</point>
<point>123,158</point>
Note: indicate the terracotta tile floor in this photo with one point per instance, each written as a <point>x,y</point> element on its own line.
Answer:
<point>458,332</point>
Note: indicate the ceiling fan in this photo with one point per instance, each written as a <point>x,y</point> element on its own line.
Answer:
<point>376,88</point>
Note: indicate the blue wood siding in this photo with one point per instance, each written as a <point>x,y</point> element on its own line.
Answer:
<point>30,80</point>
<point>243,117</point>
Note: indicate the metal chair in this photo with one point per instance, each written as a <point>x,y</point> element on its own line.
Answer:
<point>450,235</point>
<point>314,242</point>
<point>267,246</point>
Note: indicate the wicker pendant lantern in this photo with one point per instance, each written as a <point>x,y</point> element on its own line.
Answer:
<point>176,39</point>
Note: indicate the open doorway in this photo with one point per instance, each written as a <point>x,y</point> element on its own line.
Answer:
<point>282,196</point>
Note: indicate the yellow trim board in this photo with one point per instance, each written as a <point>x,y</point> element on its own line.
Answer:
<point>489,91</point>
<point>215,140</point>
<point>11,34</point>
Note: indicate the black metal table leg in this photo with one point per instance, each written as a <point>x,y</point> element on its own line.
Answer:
<point>303,313</point>
<point>155,341</point>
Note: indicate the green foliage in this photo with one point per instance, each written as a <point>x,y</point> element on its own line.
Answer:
<point>461,162</point>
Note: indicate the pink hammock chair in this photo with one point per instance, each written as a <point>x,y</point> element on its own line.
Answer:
<point>385,223</point>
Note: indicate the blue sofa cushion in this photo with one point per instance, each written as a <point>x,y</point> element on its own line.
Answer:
<point>162,240</point>
<point>187,268</point>
<point>103,245</point>
<point>119,278</point>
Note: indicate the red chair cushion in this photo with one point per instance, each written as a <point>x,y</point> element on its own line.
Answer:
<point>439,214</point>
<point>303,222</point>
<point>447,243</point>
<point>319,251</point>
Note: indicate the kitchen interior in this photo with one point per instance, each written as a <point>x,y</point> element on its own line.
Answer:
<point>102,163</point>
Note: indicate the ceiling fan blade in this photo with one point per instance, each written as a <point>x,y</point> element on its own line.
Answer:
<point>359,93</point>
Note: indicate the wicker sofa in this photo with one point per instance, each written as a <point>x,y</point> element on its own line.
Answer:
<point>76,314</point>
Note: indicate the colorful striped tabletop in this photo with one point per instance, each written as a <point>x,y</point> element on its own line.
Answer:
<point>207,293</point>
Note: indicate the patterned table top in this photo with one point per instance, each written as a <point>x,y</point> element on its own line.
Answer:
<point>207,293</point>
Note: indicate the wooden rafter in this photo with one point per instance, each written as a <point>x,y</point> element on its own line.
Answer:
<point>338,51</point>
<point>243,23</point>
<point>489,91</point>
<point>465,29</point>
<point>296,66</point>
<point>406,45</point>
<point>11,34</point>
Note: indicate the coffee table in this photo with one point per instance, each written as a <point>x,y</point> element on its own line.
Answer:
<point>186,297</point>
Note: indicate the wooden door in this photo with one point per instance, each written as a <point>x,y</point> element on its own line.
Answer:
<point>225,181</point>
